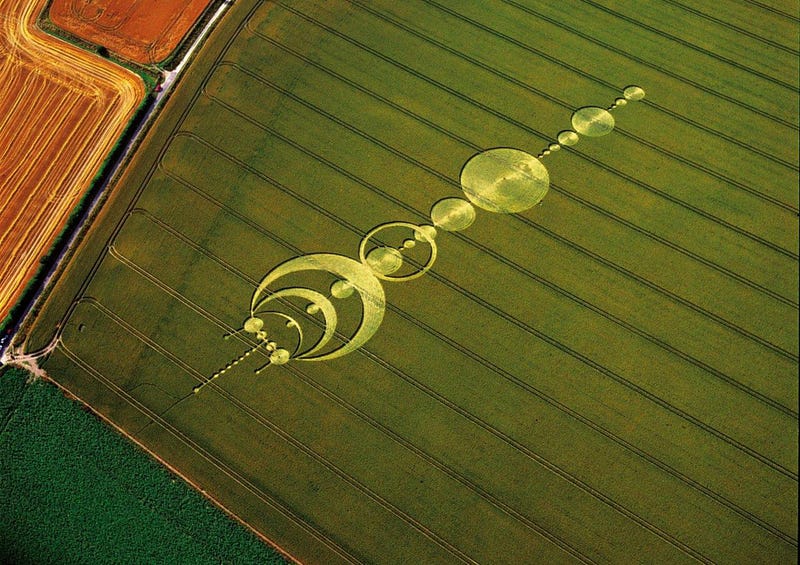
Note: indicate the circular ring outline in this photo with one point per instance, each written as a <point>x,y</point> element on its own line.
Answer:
<point>425,268</point>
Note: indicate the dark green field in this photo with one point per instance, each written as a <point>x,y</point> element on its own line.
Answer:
<point>610,376</point>
<point>73,492</point>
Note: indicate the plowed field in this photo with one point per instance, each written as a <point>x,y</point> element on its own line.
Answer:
<point>61,110</point>
<point>145,31</point>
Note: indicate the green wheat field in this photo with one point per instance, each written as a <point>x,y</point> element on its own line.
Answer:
<point>610,376</point>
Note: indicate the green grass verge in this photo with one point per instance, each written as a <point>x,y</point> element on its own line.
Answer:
<point>74,491</point>
<point>148,74</point>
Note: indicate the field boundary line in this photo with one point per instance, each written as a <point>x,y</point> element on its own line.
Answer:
<point>115,96</point>
<point>561,239</point>
<point>283,434</point>
<point>509,510</point>
<point>478,359</point>
<point>470,144</point>
<point>131,204</point>
<point>93,269</point>
<point>660,192</point>
<point>267,498</point>
<point>120,257</point>
<point>506,508</point>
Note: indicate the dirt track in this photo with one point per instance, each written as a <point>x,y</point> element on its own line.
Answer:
<point>144,31</point>
<point>61,111</point>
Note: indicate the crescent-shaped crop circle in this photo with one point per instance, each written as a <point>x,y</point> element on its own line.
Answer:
<point>325,306</point>
<point>362,279</point>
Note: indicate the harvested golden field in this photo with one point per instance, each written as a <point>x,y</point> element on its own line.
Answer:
<point>145,31</point>
<point>61,111</point>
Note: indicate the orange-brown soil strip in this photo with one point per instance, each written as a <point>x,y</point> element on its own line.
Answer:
<point>61,111</point>
<point>144,31</point>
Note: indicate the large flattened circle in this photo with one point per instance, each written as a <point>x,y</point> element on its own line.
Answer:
<point>505,180</point>
<point>592,121</point>
<point>452,214</point>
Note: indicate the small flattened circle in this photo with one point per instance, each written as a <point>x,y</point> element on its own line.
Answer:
<point>633,93</point>
<point>253,324</point>
<point>384,260</point>
<point>341,289</point>
<point>452,214</point>
<point>505,180</point>
<point>424,233</point>
<point>568,138</point>
<point>593,121</point>
<point>279,357</point>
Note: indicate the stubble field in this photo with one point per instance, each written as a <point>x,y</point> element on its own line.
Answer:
<point>144,31</point>
<point>61,111</point>
<point>610,376</point>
